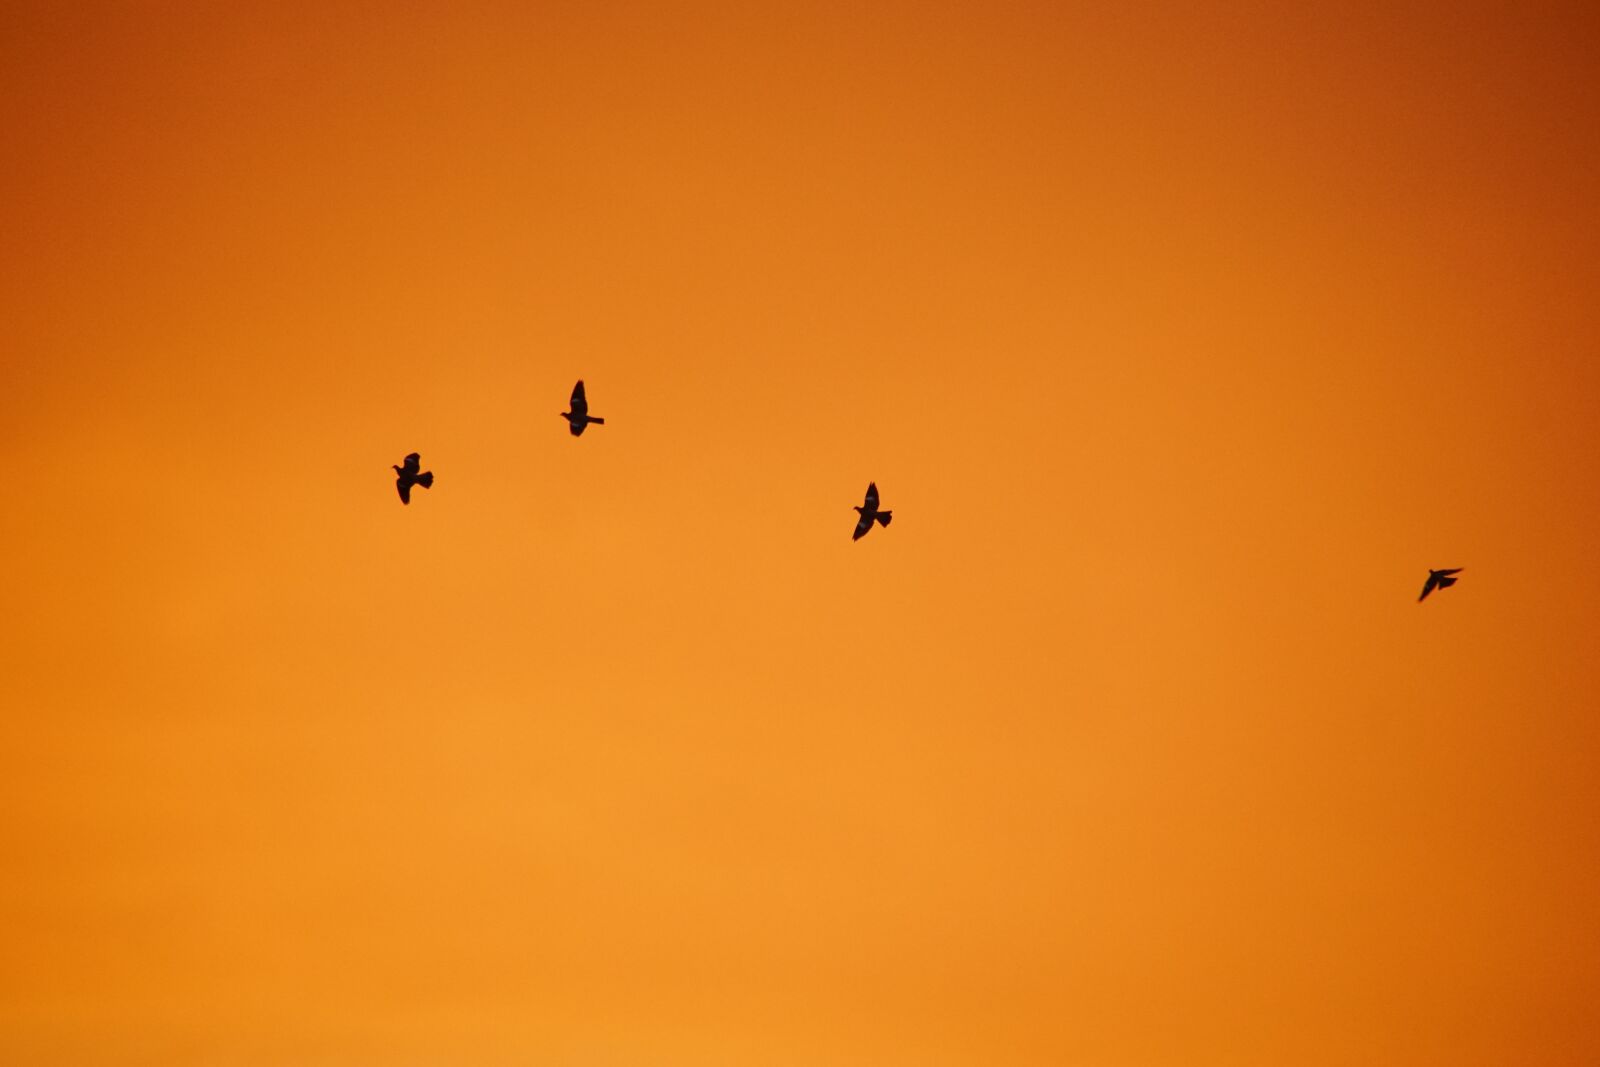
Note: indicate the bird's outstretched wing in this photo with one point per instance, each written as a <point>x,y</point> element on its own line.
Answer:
<point>413,463</point>
<point>1429,586</point>
<point>872,498</point>
<point>1452,570</point>
<point>580,403</point>
<point>577,426</point>
<point>862,526</point>
<point>405,490</point>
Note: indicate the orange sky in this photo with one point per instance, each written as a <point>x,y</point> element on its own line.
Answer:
<point>1182,340</point>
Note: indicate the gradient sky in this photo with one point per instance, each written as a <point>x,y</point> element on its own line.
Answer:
<point>1182,340</point>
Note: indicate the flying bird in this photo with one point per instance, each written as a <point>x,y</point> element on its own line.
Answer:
<point>1439,580</point>
<point>409,475</point>
<point>579,416</point>
<point>870,512</point>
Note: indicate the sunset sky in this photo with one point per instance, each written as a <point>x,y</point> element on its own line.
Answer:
<point>1182,340</point>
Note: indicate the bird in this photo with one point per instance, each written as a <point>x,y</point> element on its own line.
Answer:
<point>870,512</point>
<point>1439,580</point>
<point>579,416</point>
<point>409,476</point>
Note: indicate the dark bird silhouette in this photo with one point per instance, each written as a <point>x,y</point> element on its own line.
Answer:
<point>870,512</point>
<point>1439,580</point>
<point>409,475</point>
<point>579,416</point>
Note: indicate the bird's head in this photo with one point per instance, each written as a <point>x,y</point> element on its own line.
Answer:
<point>397,468</point>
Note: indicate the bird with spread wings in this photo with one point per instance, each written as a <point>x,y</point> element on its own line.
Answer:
<point>579,418</point>
<point>870,513</point>
<point>411,474</point>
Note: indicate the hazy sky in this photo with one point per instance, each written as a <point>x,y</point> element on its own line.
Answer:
<point>1182,340</point>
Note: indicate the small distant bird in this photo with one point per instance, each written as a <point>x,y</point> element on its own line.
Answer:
<point>579,416</point>
<point>409,475</point>
<point>870,512</point>
<point>1439,580</point>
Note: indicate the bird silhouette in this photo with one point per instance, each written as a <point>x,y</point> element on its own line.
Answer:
<point>1439,580</point>
<point>579,416</point>
<point>869,513</point>
<point>409,475</point>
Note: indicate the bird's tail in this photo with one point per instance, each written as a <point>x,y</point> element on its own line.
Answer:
<point>884,517</point>
<point>597,422</point>
<point>1446,583</point>
<point>425,479</point>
